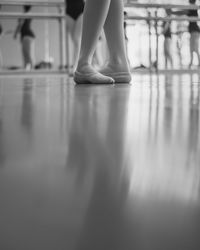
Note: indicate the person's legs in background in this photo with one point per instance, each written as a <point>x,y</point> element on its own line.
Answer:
<point>167,52</point>
<point>196,46</point>
<point>191,48</point>
<point>1,60</point>
<point>179,48</point>
<point>69,29</point>
<point>27,52</point>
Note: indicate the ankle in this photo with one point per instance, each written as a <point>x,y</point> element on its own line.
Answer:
<point>85,67</point>
<point>84,60</point>
<point>118,66</point>
<point>82,63</point>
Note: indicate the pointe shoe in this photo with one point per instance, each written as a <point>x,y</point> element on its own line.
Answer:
<point>119,77</point>
<point>92,78</point>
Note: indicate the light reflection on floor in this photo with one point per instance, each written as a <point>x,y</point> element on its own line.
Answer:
<point>168,140</point>
<point>95,167</point>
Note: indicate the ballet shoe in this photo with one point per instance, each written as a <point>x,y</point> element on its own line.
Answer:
<point>92,78</point>
<point>119,77</point>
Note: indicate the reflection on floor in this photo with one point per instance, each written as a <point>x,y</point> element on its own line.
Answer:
<point>100,168</point>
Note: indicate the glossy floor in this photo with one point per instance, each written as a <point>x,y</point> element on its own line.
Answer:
<point>100,167</point>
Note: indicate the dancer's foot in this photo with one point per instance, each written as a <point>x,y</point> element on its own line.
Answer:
<point>120,73</point>
<point>86,74</point>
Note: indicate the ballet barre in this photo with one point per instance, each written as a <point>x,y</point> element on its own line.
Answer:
<point>131,4</point>
<point>157,18</point>
<point>59,3</point>
<point>10,15</point>
<point>152,16</point>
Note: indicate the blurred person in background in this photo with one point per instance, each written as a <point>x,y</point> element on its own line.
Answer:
<point>125,32</point>
<point>194,31</point>
<point>167,40</point>
<point>27,39</point>
<point>180,30</point>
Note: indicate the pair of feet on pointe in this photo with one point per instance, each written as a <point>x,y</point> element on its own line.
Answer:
<point>110,74</point>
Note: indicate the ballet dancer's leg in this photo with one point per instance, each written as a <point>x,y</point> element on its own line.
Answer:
<point>94,17</point>
<point>168,55</point>
<point>76,36</point>
<point>117,66</point>
<point>93,21</point>
<point>197,46</point>
<point>192,42</point>
<point>70,23</point>
<point>74,29</point>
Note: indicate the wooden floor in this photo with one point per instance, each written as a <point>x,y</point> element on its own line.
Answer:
<point>100,167</point>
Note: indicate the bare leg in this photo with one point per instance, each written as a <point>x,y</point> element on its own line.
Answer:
<point>94,17</point>
<point>165,52</point>
<point>191,49</point>
<point>76,36</point>
<point>27,50</point>
<point>191,58</point>
<point>169,52</point>
<point>115,36</point>
<point>198,56</point>
<point>1,60</point>
<point>171,61</point>
<point>95,14</point>
<point>165,62</point>
<point>117,66</point>
<point>107,14</point>
<point>197,47</point>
